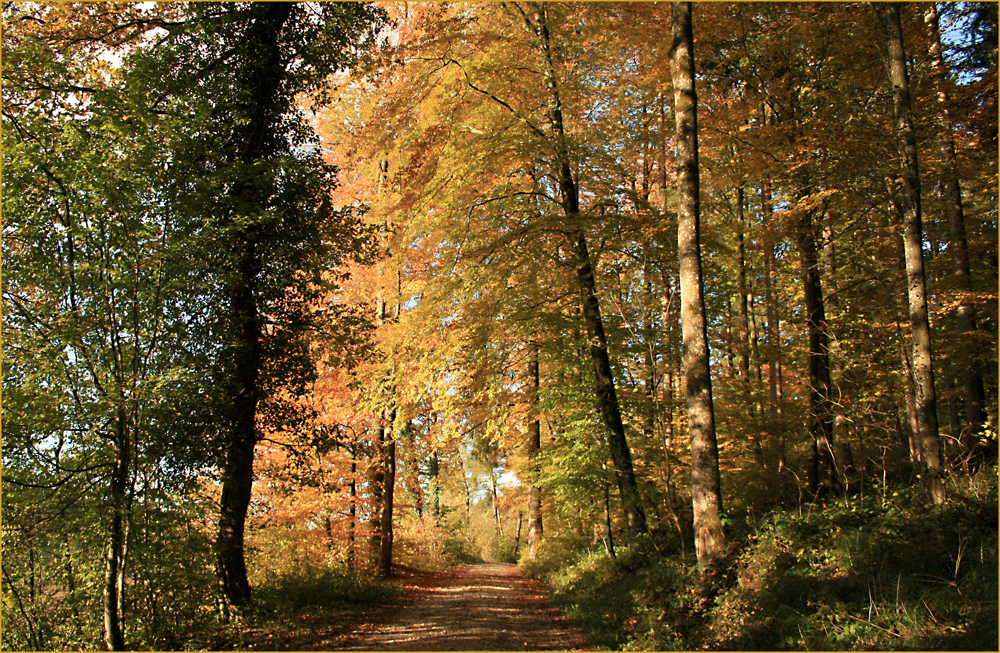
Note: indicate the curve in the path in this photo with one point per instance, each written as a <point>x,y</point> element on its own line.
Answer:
<point>483,607</point>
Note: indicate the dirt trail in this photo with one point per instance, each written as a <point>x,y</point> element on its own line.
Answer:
<point>483,607</point>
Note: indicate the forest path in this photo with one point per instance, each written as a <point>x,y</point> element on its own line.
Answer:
<point>479,607</point>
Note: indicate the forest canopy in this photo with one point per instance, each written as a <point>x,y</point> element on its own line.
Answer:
<point>299,291</point>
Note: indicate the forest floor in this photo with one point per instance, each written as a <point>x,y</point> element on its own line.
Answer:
<point>476,607</point>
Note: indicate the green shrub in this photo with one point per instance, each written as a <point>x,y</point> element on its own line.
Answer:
<point>865,575</point>
<point>321,589</point>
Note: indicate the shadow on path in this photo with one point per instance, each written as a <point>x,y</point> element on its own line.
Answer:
<point>483,607</point>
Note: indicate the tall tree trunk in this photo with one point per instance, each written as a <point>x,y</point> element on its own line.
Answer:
<point>822,471</point>
<point>776,436</point>
<point>353,512</point>
<point>746,333</point>
<point>741,307</point>
<point>706,495</point>
<point>517,536</point>
<point>534,447</point>
<point>237,471</point>
<point>923,370</point>
<point>266,76</point>
<point>621,455</point>
<point>974,392</point>
<point>839,424</point>
<point>376,484</point>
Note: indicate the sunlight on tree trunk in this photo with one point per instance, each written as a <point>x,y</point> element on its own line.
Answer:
<point>706,495</point>
<point>923,370</point>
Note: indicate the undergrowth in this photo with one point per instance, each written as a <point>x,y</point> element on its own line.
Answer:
<point>321,590</point>
<point>870,574</point>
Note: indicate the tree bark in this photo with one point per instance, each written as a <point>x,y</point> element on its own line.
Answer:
<point>974,391</point>
<point>706,494</point>
<point>433,471</point>
<point>776,437</point>
<point>114,637</point>
<point>534,447</point>
<point>839,418</point>
<point>237,472</point>
<point>266,75</point>
<point>386,535</point>
<point>746,337</point>
<point>413,467</point>
<point>923,358</point>
<point>821,474</point>
<point>353,512</point>
<point>621,455</point>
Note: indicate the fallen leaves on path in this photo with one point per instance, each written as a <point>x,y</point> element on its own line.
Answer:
<point>481,607</point>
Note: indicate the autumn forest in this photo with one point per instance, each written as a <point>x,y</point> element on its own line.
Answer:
<point>687,309</point>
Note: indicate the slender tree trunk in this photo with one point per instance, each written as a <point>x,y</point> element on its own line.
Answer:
<point>746,333</point>
<point>376,483</point>
<point>974,392</point>
<point>706,495</point>
<point>607,397</point>
<point>923,370</point>
<point>413,466</point>
<point>741,306</point>
<point>388,492</point>
<point>648,357</point>
<point>776,444</point>
<point>517,536</point>
<point>839,424</point>
<point>822,471</point>
<point>351,547</point>
<point>114,637</point>
<point>534,447</point>
<point>433,471</point>
<point>609,543</point>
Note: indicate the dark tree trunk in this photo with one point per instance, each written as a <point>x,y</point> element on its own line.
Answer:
<point>822,471</point>
<point>776,437</point>
<point>607,398</point>
<point>923,370</point>
<point>706,495</point>
<point>413,465</point>
<point>534,446</point>
<point>352,554</point>
<point>386,535</point>
<point>265,77</point>
<point>974,392</point>
<point>237,471</point>
<point>609,542</point>
<point>433,472</point>
<point>746,336</point>
<point>839,418</point>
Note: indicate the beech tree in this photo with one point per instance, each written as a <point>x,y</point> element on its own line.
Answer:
<point>706,494</point>
<point>923,359</point>
<point>956,223</point>
<point>253,192</point>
